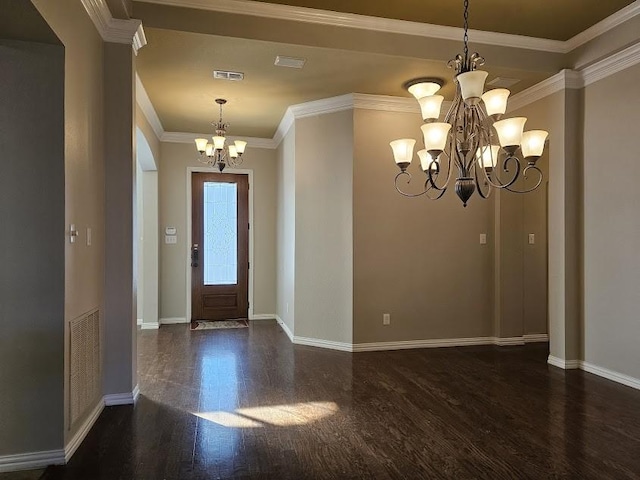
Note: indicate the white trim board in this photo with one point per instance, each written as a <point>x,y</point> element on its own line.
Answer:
<point>172,320</point>
<point>115,30</point>
<point>128,398</point>
<point>404,27</point>
<point>237,171</point>
<point>144,102</point>
<point>285,327</point>
<point>150,326</point>
<point>263,316</point>
<point>595,370</point>
<point>410,344</point>
<point>31,461</point>
<point>73,444</point>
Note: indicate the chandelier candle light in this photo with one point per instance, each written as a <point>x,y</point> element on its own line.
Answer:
<point>219,153</point>
<point>473,136</point>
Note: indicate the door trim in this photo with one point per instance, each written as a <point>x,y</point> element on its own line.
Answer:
<point>236,171</point>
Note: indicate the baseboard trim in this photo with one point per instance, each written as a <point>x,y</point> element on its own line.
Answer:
<point>150,326</point>
<point>564,364</point>
<point>139,321</point>
<point>31,461</point>
<point>508,341</point>
<point>82,432</point>
<point>128,398</point>
<point>611,375</point>
<point>414,344</point>
<point>536,338</point>
<point>262,316</point>
<point>284,327</point>
<point>172,320</point>
<point>314,342</point>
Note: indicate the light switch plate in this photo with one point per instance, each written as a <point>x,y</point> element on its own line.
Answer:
<point>483,239</point>
<point>532,238</point>
<point>170,239</point>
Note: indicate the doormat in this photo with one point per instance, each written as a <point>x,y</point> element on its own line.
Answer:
<point>218,324</point>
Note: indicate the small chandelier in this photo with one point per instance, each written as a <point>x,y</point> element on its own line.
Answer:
<point>473,138</point>
<point>219,153</point>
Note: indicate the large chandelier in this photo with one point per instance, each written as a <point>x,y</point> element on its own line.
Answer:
<point>219,153</point>
<point>472,139</point>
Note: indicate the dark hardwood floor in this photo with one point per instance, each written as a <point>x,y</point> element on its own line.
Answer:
<point>246,403</point>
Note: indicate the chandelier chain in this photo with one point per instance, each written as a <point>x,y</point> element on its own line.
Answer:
<point>466,30</point>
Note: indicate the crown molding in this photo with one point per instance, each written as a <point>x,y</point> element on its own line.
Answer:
<point>611,65</point>
<point>603,26</point>
<point>139,39</point>
<point>146,106</point>
<point>285,124</point>
<point>323,106</point>
<point>364,22</point>
<point>386,103</point>
<point>186,137</point>
<point>114,30</point>
<point>566,79</point>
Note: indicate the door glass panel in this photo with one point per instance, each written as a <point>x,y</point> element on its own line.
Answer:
<point>220,233</point>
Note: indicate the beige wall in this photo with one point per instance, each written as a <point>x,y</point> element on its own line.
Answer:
<point>172,192</point>
<point>286,224</point>
<point>84,159</point>
<point>612,223</point>
<point>418,260</point>
<point>32,214</point>
<point>324,227</point>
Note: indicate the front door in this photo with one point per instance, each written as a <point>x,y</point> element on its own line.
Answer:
<point>220,246</point>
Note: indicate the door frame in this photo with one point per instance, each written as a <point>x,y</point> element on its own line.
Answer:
<point>234,171</point>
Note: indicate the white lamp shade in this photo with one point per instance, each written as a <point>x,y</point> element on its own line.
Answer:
<point>403,149</point>
<point>240,146</point>
<point>209,149</point>
<point>423,89</point>
<point>425,160</point>
<point>435,135</point>
<point>201,144</point>
<point>489,156</point>
<point>218,142</point>
<point>233,152</point>
<point>495,101</point>
<point>510,131</point>
<point>430,106</point>
<point>472,83</point>
<point>533,143</point>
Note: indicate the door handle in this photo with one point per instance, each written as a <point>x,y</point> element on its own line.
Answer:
<point>195,255</point>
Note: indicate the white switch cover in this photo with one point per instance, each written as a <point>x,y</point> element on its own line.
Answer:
<point>483,239</point>
<point>170,231</point>
<point>532,238</point>
<point>386,318</point>
<point>88,236</point>
<point>170,239</point>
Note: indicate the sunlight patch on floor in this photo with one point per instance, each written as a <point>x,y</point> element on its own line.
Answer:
<point>289,415</point>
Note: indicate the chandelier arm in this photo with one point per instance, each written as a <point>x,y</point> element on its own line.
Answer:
<point>524,175</point>
<point>410,195</point>
<point>499,183</point>
<point>477,180</point>
<point>432,176</point>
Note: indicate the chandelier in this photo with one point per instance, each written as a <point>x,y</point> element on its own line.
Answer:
<point>219,153</point>
<point>473,139</point>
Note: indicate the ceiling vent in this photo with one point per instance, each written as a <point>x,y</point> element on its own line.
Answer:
<point>503,82</point>
<point>225,75</point>
<point>290,62</point>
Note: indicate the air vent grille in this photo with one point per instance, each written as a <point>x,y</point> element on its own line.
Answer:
<point>227,75</point>
<point>85,372</point>
<point>290,62</point>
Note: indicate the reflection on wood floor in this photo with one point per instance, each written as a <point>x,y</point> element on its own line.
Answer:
<point>246,403</point>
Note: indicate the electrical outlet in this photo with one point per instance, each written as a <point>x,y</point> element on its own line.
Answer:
<point>386,318</point>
